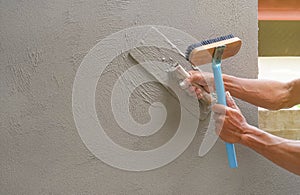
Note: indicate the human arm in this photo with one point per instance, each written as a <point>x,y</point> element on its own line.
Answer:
<point>268,94</point>
<point>232,127</point>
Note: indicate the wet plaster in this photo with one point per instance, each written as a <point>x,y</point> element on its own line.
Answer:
<point>42,44</point>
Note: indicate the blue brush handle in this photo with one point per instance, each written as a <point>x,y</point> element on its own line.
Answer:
<point>216,66</point>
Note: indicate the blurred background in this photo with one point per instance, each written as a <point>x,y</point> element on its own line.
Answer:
<point>279,59</point>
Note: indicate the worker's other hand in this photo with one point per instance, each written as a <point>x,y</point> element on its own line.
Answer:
<point>231,125</point>
<point>204,79</point>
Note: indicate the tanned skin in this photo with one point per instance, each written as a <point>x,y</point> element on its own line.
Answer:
<point>233,127</point>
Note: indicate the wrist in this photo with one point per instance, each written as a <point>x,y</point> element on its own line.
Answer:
<point>250,134</point>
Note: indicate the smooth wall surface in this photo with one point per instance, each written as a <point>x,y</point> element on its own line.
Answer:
<point>278,38</point>
<point>42,44</point>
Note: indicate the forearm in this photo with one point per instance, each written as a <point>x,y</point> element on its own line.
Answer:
<point>295,92</point>
<point>283,152</point>
<point>264,93</point>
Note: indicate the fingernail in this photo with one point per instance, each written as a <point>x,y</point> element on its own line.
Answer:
<point>229,95</point>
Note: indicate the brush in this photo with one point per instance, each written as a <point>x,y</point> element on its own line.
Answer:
<point>213,51</point>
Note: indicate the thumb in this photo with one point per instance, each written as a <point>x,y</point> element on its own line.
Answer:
<point>230,102</point>
<point>194,77</point>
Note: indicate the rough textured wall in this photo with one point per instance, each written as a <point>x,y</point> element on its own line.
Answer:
<point>42,44</point>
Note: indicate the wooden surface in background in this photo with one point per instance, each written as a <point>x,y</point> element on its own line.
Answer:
<point>283,123</point>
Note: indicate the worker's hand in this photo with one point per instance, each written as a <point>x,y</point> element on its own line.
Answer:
<point>231,125</point>
<point>204,79</point>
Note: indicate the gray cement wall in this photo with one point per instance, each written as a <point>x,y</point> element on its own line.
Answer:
<point>42,44</point>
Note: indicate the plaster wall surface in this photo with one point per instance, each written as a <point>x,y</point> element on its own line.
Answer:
<point>42,44</point>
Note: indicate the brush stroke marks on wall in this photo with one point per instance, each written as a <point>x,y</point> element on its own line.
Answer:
<point>97,64</point>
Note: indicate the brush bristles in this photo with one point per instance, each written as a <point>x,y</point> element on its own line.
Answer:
<point>205,42</point>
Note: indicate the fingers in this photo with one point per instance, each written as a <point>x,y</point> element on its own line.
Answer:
<point>223,126</point>
<point>195,76</point>
<point>204,79</point>
<point>192,90</point>
<point>229,121</point>
<point>230,102</point>
<point>184,84</point>
<point>201,88</point>
<point>219,109</point>
<point>199,93</point>
<point>201,78</point>
<point>195,92</point>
